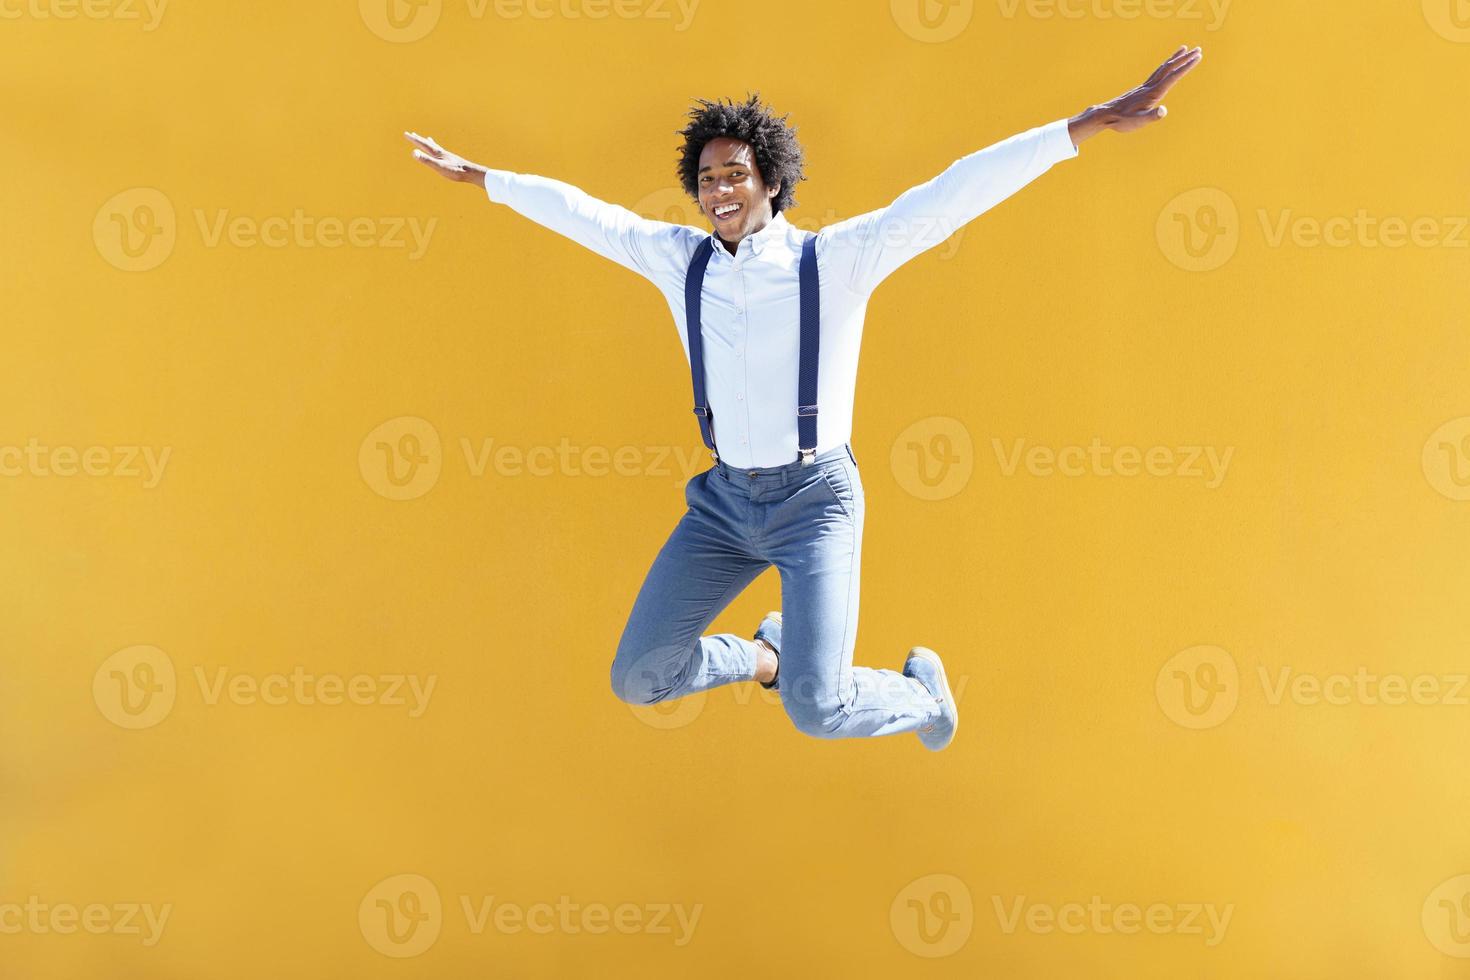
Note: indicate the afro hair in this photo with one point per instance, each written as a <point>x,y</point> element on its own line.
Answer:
<point>777,153</point>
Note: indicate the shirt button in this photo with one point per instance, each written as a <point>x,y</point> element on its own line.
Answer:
<point>740,396</point>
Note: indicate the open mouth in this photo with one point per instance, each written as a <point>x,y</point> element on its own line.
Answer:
<point>726,212</point>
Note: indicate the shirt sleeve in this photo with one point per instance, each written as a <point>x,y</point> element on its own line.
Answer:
<point>641,244</point>
<point>865,250</point>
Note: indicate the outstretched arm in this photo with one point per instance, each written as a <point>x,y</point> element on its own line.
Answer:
<point>865,250</point>
<point>637,243</point>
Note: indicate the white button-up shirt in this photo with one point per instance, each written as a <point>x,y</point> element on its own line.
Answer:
<point>751,300</point>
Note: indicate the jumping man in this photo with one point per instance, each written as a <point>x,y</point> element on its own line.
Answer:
<point>771,318</point>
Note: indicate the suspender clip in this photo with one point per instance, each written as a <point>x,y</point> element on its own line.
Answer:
<point>702,411</point>
<point>807,455</point>
<point>806,410</point>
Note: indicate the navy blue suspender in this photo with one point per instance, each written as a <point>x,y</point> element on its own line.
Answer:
<point>806,372</point>
<point>811,336</point>
<point>693,285</point>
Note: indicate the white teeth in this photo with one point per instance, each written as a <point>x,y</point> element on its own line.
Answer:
<point>727,209</point>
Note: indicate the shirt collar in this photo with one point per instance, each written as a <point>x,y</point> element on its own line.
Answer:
<point>774,230</point>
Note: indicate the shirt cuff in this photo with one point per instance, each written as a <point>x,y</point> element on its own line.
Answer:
<point>497,185</point>
<point>1058,140</point>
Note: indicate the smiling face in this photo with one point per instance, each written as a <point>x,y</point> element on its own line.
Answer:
<point>731,193</point>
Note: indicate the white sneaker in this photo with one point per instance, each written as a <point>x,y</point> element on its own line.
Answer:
<point>924,666</point>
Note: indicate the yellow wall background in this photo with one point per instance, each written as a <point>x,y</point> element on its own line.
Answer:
<point>1121,640</point>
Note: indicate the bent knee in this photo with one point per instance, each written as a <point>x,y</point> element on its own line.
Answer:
<point>635,684</point>
<point>819,716</point>
<point>626,686</point>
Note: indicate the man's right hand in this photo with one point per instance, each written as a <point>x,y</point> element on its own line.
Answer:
<point>444,163</point>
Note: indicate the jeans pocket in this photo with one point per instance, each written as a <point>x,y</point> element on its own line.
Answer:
<point>836,480</point>
<point>693,486</point>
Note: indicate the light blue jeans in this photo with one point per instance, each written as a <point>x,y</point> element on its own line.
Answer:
<point>808,522</point>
